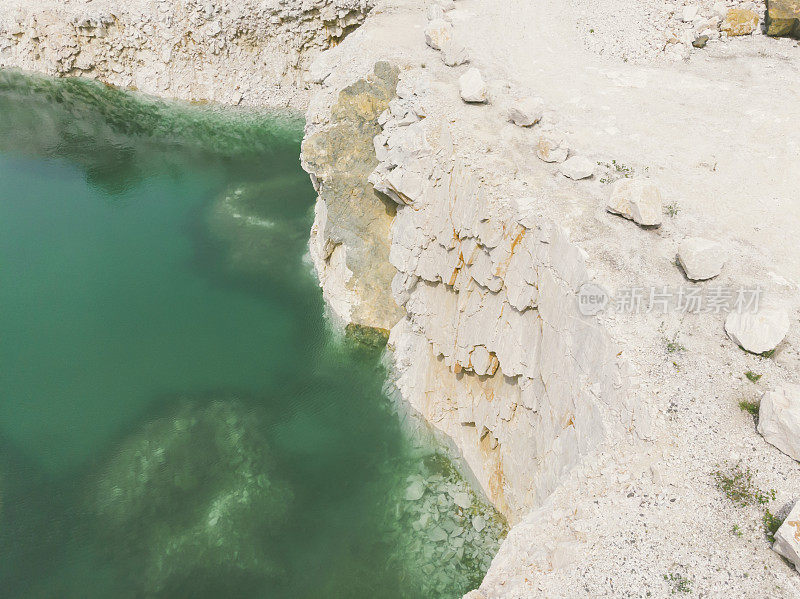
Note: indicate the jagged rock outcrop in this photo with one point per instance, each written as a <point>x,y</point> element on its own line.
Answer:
<point>350,236</point>
<point>246,52</point>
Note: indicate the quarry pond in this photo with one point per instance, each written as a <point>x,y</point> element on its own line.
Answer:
<point>177,416</point>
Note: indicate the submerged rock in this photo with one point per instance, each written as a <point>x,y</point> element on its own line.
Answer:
<point>192,500</point>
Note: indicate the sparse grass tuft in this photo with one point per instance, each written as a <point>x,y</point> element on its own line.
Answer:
<point>752,376</point>
<point>680,584</point>
<point>737,485</point>
<point>771,525</point>
<point>672,345</point>
<point>672,210</point>
<point>736,531</point>
<point>750,406</point>
<point>617,171</point>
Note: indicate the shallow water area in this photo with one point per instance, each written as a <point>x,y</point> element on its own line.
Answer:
<point>176,417</point>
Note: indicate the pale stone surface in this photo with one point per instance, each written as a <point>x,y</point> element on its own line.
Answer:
<point>552,148</point>
<point>454,54</point>
<point>739,21</point>
<point>779,419</point>
<point>638,200</point>
<point>438,33</point>
<point>701,259</point>
<point>526,111</point>
<point>472,87</point>
<point>787,539</point>
<point>758,332</point>
<point>474,595</point>
<point>578,167</point>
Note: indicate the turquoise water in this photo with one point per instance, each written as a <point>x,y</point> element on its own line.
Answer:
<point>176,419</point>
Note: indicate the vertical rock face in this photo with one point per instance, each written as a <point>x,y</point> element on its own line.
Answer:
<point>783,18</point>
<point>350,237</point>
<point>491,348</point>
<point>241,52</point>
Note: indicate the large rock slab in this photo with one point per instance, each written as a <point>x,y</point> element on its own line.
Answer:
<point>787,539</point>
<point>701,259</point>
<point>638,200</point>
<point>757,332</point>
<point>779,419</point>
<point>783,18</point>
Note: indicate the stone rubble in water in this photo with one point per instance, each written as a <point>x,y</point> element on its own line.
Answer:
<point>552,148</point>
<point>456,532</point>
<point>638,200</point>
<point>758,332</point>
<point>787,539</point>
<point>783,18</point>
<point>739,21</point>
<point>526,111</point>
<point>472,87</point>
<point>701,259</point>
<point>578,167</point>
<point>438,33</point>
<point>779,419</point>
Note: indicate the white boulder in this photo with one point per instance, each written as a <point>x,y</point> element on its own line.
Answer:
<point>526,111</point>
<point>787,539</point>
<point>454,54</point>
<point>757,332</point>
<point>577,167</point>
<point>701,259</point>
<point>779,419</point>
<point>638,200</point>
<point>552,148</point>
<point>472,86</point>
<point>689,13</point>
<point>437,33</point>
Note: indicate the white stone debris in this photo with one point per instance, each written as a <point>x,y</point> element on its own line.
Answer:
<point>638,200</point>
<point>758,332</point>
<point>701,259</point>
<point>437,33</point>
<point>552,148</point>
<point>415,491</point>
<point>454,54</point>
<point>435,11</point>
<point>526,111</point>
<point>577,167</point>
<point>779,419</point>
<point>472,87</point>
<point>689,13</point>
<point>787,539</point>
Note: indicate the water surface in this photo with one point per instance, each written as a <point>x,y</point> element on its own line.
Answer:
<point>176,418</point>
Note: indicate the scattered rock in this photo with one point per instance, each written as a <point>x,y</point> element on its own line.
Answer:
<point>552,148</point>
<point>437,33</point>
<point>720,10</point>
<point>783,18</point>
<point>472,86</point>
<point>454,54</point>
<point>474,595</point>
<point>787,539</point>
<point>760,332</point>
<point>526,111</point>
<point>577,167</point>
<point>638,200</point>
<point>739,21</point>
<point>478,523</point>
<point>779,419</point>
<point>701,259</point>
<point>700,41</point>
<point>462,500</point>
<point>689,13</point>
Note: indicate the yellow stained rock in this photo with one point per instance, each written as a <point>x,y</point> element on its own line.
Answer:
<point>783,17</point>
<point>739,21</point>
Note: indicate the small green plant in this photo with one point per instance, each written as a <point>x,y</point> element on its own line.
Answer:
<point>752,376</point>
<point>672,210</point>
<point>736,531</point>
<point>617,171</point>
<point>737,485</point>
<point>672,345</point>
<point>750,406</point>
<point>591,31</point>
<point>771,525</point>
<point>680,584</point>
